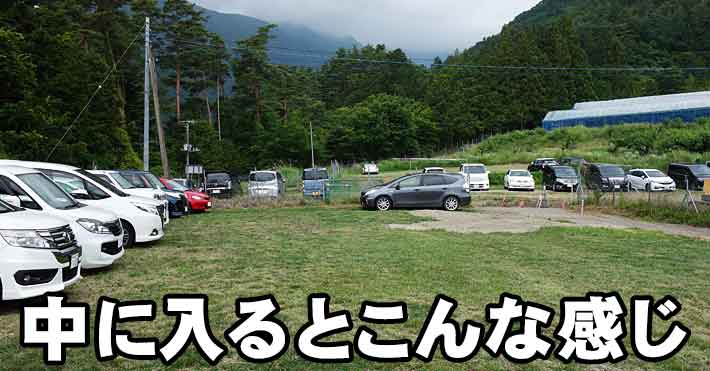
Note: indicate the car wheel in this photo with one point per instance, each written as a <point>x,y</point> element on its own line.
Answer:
<point>451,203</point>
<point>383,203</point>
<point>129,235</point>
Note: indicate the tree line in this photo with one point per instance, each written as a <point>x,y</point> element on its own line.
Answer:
<point>364,103</point>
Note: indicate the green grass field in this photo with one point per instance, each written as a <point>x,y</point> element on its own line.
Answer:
<point>352,256</point>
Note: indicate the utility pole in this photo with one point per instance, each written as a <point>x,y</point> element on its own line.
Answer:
<point>156,107</point>
<point>313,156</point>
<point>219,119</point>
<point>146,102</point>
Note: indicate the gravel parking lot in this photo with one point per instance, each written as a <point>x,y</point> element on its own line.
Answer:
<point>525,220</point>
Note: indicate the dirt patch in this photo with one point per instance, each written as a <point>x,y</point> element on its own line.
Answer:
<point>525,220</point>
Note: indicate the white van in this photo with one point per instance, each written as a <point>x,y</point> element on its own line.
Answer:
<point>98,231</point>
<point>141,217</point>
<point>38,254</point>
<point>116,179</point>
<point>266,184</point>
<point>477,176</point>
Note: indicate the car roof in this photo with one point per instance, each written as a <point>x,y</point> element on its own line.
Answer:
<point>473,165</point>
<point>521,170</point>
<point>41,165</point>
<point>262,171</point>
<point>17,170</point>
<point>646,170</point>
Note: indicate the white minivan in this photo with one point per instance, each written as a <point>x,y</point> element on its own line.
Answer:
<point>477,176</point>
<point>141,218</point>
<point>98,231</point>
<point>116,179</point>
<point>38,254</point>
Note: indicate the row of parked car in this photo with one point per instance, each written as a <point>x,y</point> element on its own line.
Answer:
<point>434,187</point>
<point>56,220</point>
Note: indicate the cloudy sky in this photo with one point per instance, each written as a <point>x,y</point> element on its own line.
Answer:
<point>414,25</point>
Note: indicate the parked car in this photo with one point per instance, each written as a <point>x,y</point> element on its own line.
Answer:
<point>477,176</point>
<point>177,202</point>
<point>650,180</point>
<point>560,178</point>
<point>196,201</point>
<point>119,181</point>
<point>605,177</point>
<point>370,169</point>
<point>38,254</point>
<point>266,184</point>
<point>519,180</point>
<point>314,182</point>
<point>541,163</point>
<point>221,184</point>
<point>448,191</point>
<point>97,231</point>
<point>140,217</point>
<point>688,176</point>
<point>434,170</point>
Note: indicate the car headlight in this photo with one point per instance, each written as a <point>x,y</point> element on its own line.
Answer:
<point>28,239</point>
<point>94,226</point>
<point>197,198</point>
<point>150,209</point>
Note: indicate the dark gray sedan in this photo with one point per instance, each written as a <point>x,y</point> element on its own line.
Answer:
<point>448,191</point>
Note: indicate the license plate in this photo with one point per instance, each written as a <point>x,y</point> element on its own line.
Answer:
<point>74,261</point>
<point>617,187</point>
<point>216,191</point>
<point>316,194</point>
<point>209,204</point>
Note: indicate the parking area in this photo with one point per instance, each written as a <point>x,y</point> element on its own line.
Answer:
<point>525,220</point>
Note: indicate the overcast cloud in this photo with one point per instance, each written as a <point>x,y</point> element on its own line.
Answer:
<point>415,25</point>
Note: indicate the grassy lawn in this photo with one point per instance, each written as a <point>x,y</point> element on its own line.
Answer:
<point>353,257</point>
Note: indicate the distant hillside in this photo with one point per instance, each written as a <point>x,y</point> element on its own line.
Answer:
<point>295,38</point>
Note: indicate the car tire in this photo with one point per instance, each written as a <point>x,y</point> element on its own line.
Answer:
<point>129,235</point>
<point>452,203</point>
<point>383,203</point>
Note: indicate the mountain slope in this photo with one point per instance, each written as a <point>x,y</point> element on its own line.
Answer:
<point>289,40</point>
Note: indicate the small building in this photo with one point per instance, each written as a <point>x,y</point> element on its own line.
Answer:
<point>687,107</point>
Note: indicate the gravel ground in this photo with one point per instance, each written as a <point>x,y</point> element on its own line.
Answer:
<point>525,220</point>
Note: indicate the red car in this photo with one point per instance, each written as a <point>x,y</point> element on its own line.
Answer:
<point>196,201</point>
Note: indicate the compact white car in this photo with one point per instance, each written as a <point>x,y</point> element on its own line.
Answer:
<point>140,217</point>
<point>477,176</point>
<point>117,180</point>
<point>434,170</point>
<point>370,169</point>
<point>519,180</point>
<point>38,254</point>
<point>650,180</point>
<point>98,231</point>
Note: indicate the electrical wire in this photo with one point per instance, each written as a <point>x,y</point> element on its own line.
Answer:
<point>91,99</point>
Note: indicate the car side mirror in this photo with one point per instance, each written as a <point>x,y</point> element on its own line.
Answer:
<point>80,194</point>
<point>11,200</point>
<point>398,187</point>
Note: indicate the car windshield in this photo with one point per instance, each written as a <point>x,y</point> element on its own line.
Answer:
<point>49,191</point>
<point>700,170</point>
<point>103,183</point>
<point>474,169</point>
<point>262,177</point>
<point>154,181</point>
<point>175,186</point>
<point>612,171</point>
<point>565,172</point>
<point>315,175</point>
<point>218,178</point>
<point>122,181</point>
<point>520,173</point>
<point>136,179</point>
<point>655,174</point>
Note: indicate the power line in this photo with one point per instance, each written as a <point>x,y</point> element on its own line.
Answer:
<point>334,57</point>
<point>91,99</point>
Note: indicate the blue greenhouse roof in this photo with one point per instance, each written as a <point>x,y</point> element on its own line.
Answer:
<point>656,109</point>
